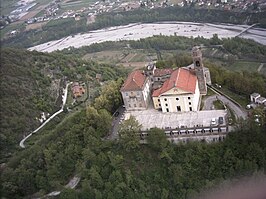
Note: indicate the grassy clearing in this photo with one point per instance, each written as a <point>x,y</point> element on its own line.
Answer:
<point>245,66</point>
<point>75,5</point>
<point>7,6</point>
<point>112,57</point>
<point>218,105</point>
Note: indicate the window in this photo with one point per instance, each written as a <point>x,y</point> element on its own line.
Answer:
<point>178,108</point>
<point>158,100</point>
<point>126,94</point>
<point>140,105</point>
<point>190,108</point>
<point>135,105</point>
<point>159,104</point>
<point>189,103</point>
<point>177,99</point>
<point>189,98</point>
<point>129,105</point>
<point>138,93</point>
<point>197,63</point>
<point>165,99</point>
<point>167,110</point>
<point>166,104</point>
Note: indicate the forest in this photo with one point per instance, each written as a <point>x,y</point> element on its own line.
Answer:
<point>126,168</point>
<point>32,82</point>
<point>77,143</point>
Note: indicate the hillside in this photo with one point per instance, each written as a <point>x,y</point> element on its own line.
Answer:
<point>125,168</point>
<point>32,83</point>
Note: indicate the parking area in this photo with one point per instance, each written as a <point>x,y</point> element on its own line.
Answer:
<point>152,118</point>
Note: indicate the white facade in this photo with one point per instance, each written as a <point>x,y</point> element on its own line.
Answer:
<point>177,100</point>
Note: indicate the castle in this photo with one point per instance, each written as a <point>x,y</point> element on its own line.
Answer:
<point>170,90</point>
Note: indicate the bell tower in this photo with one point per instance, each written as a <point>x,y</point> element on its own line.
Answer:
<point>198,67</point>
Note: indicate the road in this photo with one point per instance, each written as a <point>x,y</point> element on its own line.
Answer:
<point>208,102</point>
<point>115,124</point>
<point>64,96</point>
<point>260,67</point>
<point>239,112</point>
<point>71,185</point>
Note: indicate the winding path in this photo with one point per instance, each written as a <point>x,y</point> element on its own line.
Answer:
<point>208,104</point>
<point>64,96</point>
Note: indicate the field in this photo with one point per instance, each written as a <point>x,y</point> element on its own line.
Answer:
<point>127,58</point>
<point>76,4</point>
<point>7,6</point>
<point>245,66</point>
<point>35,26</point>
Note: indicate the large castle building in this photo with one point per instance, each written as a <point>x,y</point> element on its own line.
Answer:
<point>171,90</point>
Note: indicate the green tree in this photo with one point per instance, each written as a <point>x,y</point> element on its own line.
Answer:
<point>68,194</point>
<point>129,133</point>
<point>157,139</point>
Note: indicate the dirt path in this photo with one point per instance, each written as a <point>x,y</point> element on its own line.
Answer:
<point>260,67</point>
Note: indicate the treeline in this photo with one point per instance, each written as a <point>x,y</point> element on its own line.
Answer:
<point>65,27</point>
<point>53,30</point>
<point>243,83</point>
<point>241,48</point>
<point>176,13</point>
<point>32,82</point>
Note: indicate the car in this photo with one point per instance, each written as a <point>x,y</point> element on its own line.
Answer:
<point>213,121</point>
<point>221,120</point>
<point>116,114</point>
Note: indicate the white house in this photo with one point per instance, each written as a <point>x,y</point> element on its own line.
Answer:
<point>254,97</point>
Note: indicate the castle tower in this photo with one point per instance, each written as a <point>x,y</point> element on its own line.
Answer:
<point>198,66</point>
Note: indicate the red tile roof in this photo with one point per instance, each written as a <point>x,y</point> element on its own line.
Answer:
<point>180,78</point>
<point>162,72</point>
<point>134,81</point>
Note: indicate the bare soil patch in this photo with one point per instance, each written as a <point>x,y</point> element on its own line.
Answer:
<point>35,26</point>
<point>135,65</point>
<point>31,14</point>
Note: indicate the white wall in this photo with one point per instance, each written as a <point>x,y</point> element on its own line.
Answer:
<point>185,101</point>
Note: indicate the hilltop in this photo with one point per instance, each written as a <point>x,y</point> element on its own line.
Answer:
<point>32,83</point>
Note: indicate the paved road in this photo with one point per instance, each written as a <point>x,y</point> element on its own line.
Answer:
<point>71,184</point>
<point>260,67</point>
<point>64,96</point>
<point>114,131</point>
<point>239,112</point>
<point>208,102</point>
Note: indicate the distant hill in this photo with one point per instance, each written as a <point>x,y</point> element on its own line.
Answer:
<point>31,83</point>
